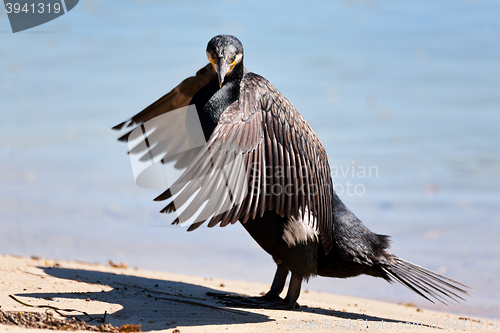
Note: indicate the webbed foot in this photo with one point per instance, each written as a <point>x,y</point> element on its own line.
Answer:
<point>259,302</point>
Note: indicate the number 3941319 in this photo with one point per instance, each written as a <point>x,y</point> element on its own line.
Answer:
<point>34,8</point>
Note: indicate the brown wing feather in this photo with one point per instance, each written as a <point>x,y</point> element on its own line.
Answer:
<point>269,135</point>
<point>179,97</point>
<point>294,137</point>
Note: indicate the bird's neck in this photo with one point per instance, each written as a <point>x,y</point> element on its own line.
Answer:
<point>230,90</point>
<point>237,72</point>
<point>221,99</point>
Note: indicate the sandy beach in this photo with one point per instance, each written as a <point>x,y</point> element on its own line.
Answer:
<point>160,301</point>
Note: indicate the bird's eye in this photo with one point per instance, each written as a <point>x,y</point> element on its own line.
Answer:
<point>213,55</point>
<point>234,58</point>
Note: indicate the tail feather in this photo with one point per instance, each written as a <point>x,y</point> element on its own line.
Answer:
<point>428,288</point>
<point>426,283</point>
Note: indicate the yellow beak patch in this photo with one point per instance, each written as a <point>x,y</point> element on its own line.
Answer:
<point>232,65</point>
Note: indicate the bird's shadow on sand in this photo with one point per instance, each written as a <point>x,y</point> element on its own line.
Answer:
<point>162,304</point>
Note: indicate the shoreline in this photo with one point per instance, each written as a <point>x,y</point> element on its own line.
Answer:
<point>165,301</point>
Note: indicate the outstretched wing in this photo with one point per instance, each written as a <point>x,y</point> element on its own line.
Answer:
<point>262,155</point>
<point>179,97</point>
<point>161,132</point>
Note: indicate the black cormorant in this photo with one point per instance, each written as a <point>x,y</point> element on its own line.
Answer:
<point>284,195</point>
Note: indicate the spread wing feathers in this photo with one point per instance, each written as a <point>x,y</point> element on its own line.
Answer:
<point>262,155</point>
<point>179,97</point>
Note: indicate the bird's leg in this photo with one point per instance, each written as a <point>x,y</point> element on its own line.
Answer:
<point>290,301</point>
<point>271,300</point>
<point>278,282</point>
<point>271,297</point>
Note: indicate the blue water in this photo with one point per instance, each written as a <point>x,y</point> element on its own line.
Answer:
<point>411,89</point>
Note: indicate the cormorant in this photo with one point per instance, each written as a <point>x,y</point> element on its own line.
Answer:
<point>284,195</point>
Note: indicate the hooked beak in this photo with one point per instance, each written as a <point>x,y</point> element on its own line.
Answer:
<point>222,68</point>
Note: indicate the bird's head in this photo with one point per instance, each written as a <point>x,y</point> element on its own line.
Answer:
<point>224,52</point>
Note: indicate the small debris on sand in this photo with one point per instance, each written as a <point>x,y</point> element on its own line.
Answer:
<point>48,321</point>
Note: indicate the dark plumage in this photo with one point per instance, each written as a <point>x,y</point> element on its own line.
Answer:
<point>251,127</point>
